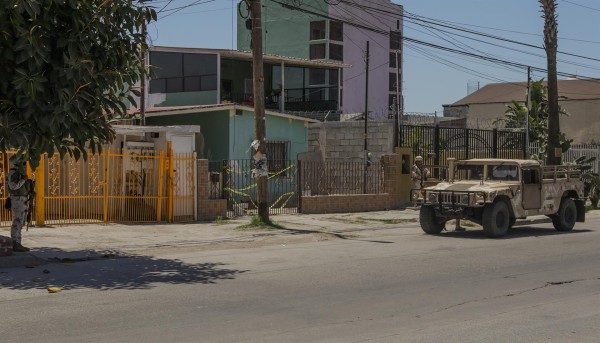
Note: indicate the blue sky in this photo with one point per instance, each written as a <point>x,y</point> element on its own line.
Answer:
<point>431,77</point>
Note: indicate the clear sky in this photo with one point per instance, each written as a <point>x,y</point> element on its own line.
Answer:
<point>431,77</point>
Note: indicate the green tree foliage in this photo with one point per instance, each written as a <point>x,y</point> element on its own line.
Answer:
<point>65,73</point>
<point>538,119</point>
<point>590,178</point>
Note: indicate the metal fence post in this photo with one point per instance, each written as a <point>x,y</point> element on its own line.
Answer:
<point>161,169</point>
<point>495,143</point>
<point>170,180</point>
<point>299,185</point>
<point>106,183</point>
<point>40,207</point>
<point>436,150</point>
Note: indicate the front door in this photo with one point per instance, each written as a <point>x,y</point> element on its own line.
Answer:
<point>532,188</point>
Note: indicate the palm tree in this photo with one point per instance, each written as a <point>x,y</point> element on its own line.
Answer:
<point>551,45</point>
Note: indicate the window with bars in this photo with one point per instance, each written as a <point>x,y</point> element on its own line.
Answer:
<point>277,157</point>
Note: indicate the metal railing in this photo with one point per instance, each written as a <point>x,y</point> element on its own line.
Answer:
<point>240,187</point>
<point>340,178</point>
<point>112,187</point>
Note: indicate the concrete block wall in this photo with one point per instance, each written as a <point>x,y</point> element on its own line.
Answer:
<point>346,203</point>
<point>345,140</point>
<point>208,209</point>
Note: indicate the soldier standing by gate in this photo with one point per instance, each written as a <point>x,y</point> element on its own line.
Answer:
<point>20,188</point>
<point>419,173</point>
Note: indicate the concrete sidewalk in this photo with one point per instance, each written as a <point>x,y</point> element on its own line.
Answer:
<point>96,241</point>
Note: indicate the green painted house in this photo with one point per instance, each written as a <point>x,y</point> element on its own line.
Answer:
<point>228,130</point>
<point>213,88</point>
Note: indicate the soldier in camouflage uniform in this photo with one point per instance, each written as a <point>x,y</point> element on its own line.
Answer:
<point>19,188</point>
<point>419,173</point>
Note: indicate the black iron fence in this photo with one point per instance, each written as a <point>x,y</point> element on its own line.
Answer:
<point>436,143</point>
<point>339,177</point>
<point>215,179</point>
<point>239,187</point>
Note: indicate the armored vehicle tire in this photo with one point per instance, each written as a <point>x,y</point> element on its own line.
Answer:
<point>513,220</point>
<point>430,223</point>
<point>496,219</point>
<point>564,219</point>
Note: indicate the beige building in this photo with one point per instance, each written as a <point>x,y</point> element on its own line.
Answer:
<point>579,98</point>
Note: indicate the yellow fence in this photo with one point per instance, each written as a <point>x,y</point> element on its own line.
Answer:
<point>112,187</point>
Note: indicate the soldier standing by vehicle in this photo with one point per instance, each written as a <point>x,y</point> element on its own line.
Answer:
<point>19,187</point>
<point>419,173</point>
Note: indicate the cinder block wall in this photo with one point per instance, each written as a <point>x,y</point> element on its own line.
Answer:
<point>346,203</point>
<point>345,139</point>
<point>208,209</point>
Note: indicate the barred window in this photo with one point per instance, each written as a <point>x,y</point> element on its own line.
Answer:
<point>277,157</point>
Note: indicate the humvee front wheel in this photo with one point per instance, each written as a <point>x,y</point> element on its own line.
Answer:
<point>430,222</point>
<point>564,219</point>
<point>496,219</point>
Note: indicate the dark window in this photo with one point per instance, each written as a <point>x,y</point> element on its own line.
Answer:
<point>316,94</point>
<point>175,85</point>
<point>174,72</point>
<point>393,82</point>
<point>316,76</point>
<point>333,93</point>
<point>208,83</point>
<point>333,77</point>
<point>317,30</point>
<point>336,30</point>
<point>199,64</point>
<point>317,51</point>
<point>391,100</point>
<point>166,64</point>
<point>395,40</point>
<point>158,86</point>
<point>277,157</point>
<point>336,52</point>
<point>192,84</point>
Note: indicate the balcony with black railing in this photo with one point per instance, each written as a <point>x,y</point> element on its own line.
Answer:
<point>304,102</point>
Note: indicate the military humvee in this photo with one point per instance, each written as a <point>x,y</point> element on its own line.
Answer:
<point>496,192</point>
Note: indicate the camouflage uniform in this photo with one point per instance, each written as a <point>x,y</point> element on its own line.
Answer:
<point>19,187</point>
<point>417,174</point>
<point>18,206</point>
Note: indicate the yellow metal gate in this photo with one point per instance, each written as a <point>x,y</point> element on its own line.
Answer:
<point>113,187</point>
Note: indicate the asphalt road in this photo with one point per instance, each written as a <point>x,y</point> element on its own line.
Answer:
<point>395,285</point>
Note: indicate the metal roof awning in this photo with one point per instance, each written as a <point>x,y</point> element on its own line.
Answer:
<point>247,56</point>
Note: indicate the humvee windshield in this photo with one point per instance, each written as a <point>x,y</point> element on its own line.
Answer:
<point>503,173</point>
<point>469,172</point>
<point>499,172</point>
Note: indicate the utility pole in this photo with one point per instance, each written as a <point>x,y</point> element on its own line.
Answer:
<point>398,129</point>
<point>527,104</point>
<point>366,116</point>
<point>143,79</point>
<point>259,104</point>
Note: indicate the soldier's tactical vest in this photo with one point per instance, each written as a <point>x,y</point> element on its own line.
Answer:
<point>17,183</point>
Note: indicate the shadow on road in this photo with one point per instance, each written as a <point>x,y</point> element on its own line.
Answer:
<point>110,271</point>
<point>519,232</point>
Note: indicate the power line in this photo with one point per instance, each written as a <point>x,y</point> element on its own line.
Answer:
<point>454,27</point>
<point>455,51</point>
<point>576,4</point>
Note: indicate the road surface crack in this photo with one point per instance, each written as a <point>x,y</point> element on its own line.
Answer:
<point>548,284</point>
